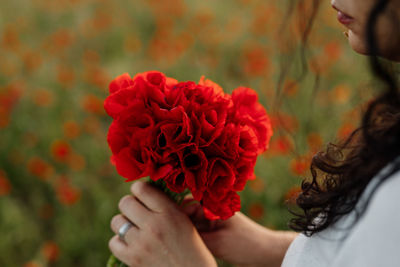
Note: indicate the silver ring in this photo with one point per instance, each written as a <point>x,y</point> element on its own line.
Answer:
<point>123,230</point>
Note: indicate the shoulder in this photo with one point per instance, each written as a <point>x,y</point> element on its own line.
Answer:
<point>383,200</point>
<point>386,194</point>
<point>374,239</point>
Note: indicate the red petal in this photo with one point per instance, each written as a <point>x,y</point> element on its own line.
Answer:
<point>122,81</point>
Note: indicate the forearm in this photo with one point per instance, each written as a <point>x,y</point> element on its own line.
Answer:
<point>277,248</point>
<point>271,248</point>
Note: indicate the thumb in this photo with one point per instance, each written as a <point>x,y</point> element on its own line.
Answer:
<point>195,212</point>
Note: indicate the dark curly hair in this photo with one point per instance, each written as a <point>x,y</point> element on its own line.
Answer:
<point>341,173</point>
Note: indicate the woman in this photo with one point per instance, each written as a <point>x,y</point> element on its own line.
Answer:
<point>350,216</point>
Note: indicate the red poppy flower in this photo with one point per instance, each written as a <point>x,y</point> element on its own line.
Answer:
<point>191,136</point>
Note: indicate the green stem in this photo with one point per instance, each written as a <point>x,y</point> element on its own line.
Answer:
<point>114,262</point>
<point>177,197</point>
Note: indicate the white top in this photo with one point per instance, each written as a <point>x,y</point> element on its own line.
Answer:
<point>374,241</point>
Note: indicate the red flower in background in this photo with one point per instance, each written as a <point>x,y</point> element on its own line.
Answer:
<point>192,136</point>
<point>5,185</point>
<point>66,193</point>
<point>50,251</point>
<point>60,150</point>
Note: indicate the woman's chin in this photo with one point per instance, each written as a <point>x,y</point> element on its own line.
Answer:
<point>357,44</point>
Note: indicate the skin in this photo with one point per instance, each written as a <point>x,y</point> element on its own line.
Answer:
<point>168,235</point>
<point>241,241</point>
<point>387,28</point>
<point>162,236</point>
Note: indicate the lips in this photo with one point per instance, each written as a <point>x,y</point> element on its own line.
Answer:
<point>343,17</point>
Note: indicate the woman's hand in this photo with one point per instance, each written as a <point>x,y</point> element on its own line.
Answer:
<point>239,240</point>
<point>161,236</point>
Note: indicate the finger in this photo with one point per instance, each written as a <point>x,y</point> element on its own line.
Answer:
<point>119,249</point>
<point>151,197</point>
<point>133,210</point>
<point>117,222</point>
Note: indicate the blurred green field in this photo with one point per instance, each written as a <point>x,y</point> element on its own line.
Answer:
<point>58,190</point>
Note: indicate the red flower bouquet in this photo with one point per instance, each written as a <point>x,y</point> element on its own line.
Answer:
<point>188,136</point>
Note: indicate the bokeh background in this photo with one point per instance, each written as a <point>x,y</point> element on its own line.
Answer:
<point>58,190</point>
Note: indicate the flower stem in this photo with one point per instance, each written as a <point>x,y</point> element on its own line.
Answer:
<point>114,262</point>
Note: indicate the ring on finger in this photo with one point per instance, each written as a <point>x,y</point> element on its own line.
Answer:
<point>123,230</point>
